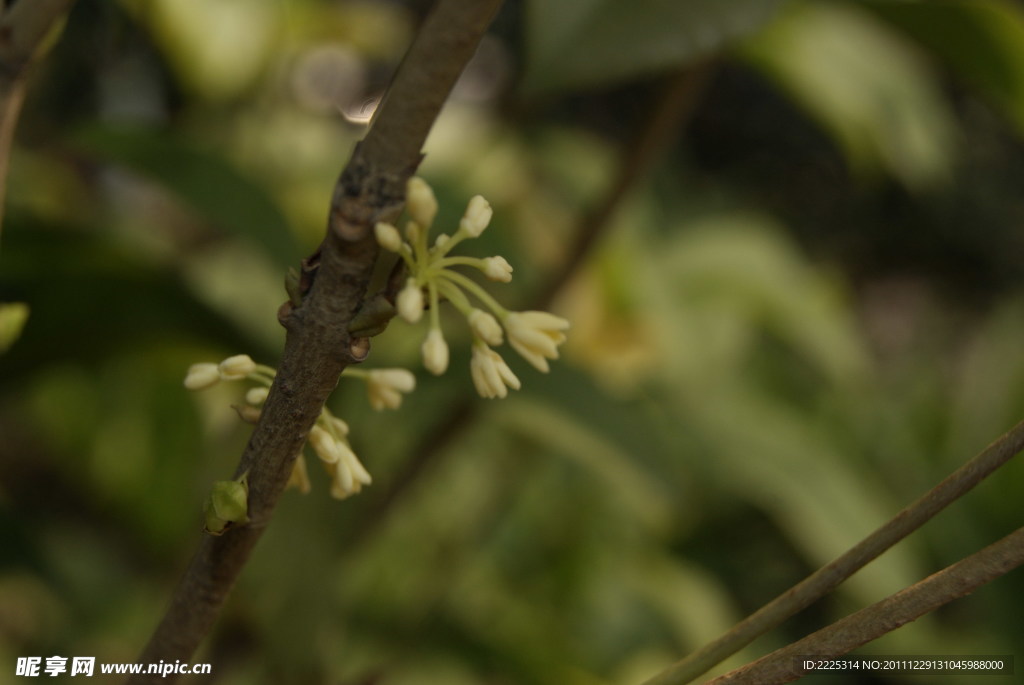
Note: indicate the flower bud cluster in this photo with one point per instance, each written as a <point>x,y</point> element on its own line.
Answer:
<point>534,335</point>
<point>329,436</point>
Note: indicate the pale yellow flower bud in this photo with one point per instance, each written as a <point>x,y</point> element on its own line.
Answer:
<point>236,367</point>
<point>412,231</point>
<point>442,240</point>
<point>299,478</point>
<point>257,396</point>
<point>324,444</point>
<point>485,327</point>
<point>435,352</point>
<point>338,425</point>
<point>348,475</point>
<point>498,269</point>
<point>478,215</point>
<point>410,302</point>
<point>248,413</point>
<point>201,376</point>
<point>420,201</point>
<point>388,236</point>
<point>536,336</point>
<point>490,373</point>
<point>385,387</point>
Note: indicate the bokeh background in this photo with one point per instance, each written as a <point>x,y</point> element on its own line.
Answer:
<point>805,312</point>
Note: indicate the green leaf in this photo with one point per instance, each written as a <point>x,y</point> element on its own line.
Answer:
<point>865,84</point>
<point>202,179</point>
<point>586,43</point>
<point>982,40</point>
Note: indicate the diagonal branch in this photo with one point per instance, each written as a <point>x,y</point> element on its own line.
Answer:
<point>23,30</point>
<point>828,577</point>
<point>870,623</point>
<point>318,346</point>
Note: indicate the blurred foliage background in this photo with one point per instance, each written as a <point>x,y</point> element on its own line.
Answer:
<point>808,314</point>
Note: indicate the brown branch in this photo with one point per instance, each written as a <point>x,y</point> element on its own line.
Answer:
<point>318,346</point>
<point>870,623</point>
<point>828,577</point>
<point>23,28</point>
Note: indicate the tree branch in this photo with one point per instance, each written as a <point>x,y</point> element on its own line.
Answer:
<point>825,579</point>
<point>23,29</point>
<point>953,582</point>
<point>318,346</point>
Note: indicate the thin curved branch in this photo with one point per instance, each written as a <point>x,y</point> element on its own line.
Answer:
<point>23,29</point>
<point>870,623</point>
<point>828,577</point>
<point>666,122</point>
<point>318,346</point>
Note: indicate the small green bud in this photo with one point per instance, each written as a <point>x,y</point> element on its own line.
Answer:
<point>373,318</point>
<point>292,287</point>
<point>227,504</point>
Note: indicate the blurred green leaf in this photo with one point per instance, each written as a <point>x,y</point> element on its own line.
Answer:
<point>202,179</point>
<point>696,605</point>
<point>731,274</point>
<point>586,43</point>
<point>13,316</point>
<point>218,49</point>
<point>864,84</point>
<point>626,482</point>
<point>92,301</point>
<point>982,40</point>
<point>783,462</point>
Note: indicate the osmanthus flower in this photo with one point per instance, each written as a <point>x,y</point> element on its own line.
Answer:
<point>385,386</point>
<point>536,336</point>
<point>329,436</point>
<point>433,276</point>
<point>491,375</point>
<point>347,473</point>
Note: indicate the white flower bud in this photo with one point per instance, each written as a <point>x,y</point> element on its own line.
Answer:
<point>420,201</point>
<point>201,376</point>
<point>490,373</point>
<point>339,425</point>
<point>236,367</point>
<point>435,352</point>
<point>348,475</point>
<point>385,387</point>
<point>485,327</point>
<point>412,231</point>
<point>536,336</point>
<point>478,215</point>
<point>257,396</point>
<point>248,413</point>
<point>388,236</point>
<point>324,444</point>
<point>410,301</point>
<point>498,269</point>
<point>442,240</point>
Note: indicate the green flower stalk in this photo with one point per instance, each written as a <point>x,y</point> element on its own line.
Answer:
<point>533,335</point>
